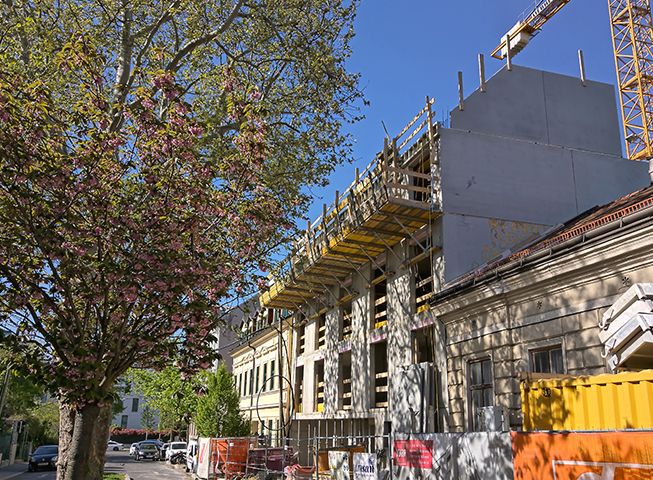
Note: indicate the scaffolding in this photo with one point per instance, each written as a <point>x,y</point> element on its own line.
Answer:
<point>388,202</point>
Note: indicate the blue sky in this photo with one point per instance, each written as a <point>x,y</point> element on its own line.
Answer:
<point>407,49</point>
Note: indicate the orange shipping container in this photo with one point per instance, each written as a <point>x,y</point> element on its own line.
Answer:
<point>583,456</point>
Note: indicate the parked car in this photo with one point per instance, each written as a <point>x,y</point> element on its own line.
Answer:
<point>164,451</point>
<point>133,449</point>
<point>115,446</point>
<point>45,456</point>
<point>174,448</point>
<point>158,444</point>
<point>147,450</point>
<point>191,456</point>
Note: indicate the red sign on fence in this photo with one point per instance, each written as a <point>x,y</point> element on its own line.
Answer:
<point>413,453</point>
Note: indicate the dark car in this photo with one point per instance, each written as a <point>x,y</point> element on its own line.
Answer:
<point>147,450</point>
<point>45,456</point>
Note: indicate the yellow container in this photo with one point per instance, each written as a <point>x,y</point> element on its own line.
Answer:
<point>601,402</point>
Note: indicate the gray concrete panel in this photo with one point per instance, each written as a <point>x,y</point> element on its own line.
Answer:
<point>502,178</point>
<point>498,177</point>
<point>469,242</point>
<point>544,107</point>
<point>600,180</point>
<point>581,117</point>
<point>513,106</point>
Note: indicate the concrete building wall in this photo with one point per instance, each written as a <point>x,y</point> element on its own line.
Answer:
<point>360,346</point>
<point>132,412</point>
<point>544,107</point>
<point>498,177</point>
<point>331,361</point>
<point>556,304</point>
<point>400,299</point>
<point>470,241</point>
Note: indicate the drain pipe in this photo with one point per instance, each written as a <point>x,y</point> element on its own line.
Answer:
<point>251,382</point>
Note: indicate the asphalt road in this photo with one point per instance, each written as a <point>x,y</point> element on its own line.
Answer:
<point>121,462</point>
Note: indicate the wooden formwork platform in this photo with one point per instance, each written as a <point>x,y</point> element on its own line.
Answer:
<point>388,203</point>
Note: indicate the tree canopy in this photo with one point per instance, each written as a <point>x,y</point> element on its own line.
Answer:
<point>218,407</point>
<point>152,158</point>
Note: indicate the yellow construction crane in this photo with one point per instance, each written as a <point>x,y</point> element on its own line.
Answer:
<point>632,40</point>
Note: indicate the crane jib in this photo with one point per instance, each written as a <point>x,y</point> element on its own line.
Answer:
<point>543,9</point>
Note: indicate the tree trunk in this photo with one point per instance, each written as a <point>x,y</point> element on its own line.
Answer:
<point>66,427</point>
<point>82,448</point>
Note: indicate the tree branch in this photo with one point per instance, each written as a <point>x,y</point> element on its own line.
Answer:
<point>173,66</point>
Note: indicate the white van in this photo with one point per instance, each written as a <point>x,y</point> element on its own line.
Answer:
<point>191,456</point>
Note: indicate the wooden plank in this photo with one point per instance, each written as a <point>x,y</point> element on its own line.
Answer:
<point>426,176</point>
<point>381,388</point>
<point>381,375</point>
<point>413,133</point>
<point>419,258</point>
<point>409,203</point>
<point>401,234</point>
<point>412,122</point>
<point>424,282</point>
<point>412,188</point>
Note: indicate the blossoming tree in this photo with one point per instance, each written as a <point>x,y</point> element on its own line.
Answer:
<point>152,156</point>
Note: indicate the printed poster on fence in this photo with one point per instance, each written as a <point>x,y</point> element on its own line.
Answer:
<point>339,465</point>
<point>413,453</point>
<point>365,466</point>
<point>203,457</point>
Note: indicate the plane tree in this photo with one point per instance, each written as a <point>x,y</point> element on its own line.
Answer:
<point>152,157</point>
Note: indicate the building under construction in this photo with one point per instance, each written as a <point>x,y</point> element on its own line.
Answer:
<point>525,152</point>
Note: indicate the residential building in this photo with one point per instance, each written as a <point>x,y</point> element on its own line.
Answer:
<point>131,415</point>
<point>260,362</point>
<point>537,311</point>
<point>368,353</point>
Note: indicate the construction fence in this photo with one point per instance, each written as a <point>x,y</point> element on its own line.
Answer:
<point>599,455</point>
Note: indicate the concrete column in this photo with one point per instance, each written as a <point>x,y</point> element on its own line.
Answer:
<point>360,347</point>
<point>332,374</point>
<point>399,299</point>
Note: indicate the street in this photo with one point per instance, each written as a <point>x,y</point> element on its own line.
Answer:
<point>121,462</point>
<point>117,462</point>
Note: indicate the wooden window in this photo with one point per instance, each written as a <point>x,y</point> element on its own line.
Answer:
<point>481,393</point>
<point>547,360</point>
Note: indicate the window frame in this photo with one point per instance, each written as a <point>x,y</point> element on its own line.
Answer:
<point>549,343</point>
<point>547,350</point>
<point>470,388</point>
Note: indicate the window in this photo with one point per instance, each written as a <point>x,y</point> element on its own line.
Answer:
<point>480,388</point>
<point>134,404</point>
<point>251,381</point>
<point>240,384</point>
<point>258,372</point>
<point>245,385</point>
<point>272,375</point>
<point>265,376</point>
<point>547,360</point>
<point>123,421</point>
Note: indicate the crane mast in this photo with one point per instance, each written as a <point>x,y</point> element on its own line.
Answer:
<point>632,40</point>
<point>632,30</point>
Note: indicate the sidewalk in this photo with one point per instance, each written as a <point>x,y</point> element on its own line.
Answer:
<point>14,470</point>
